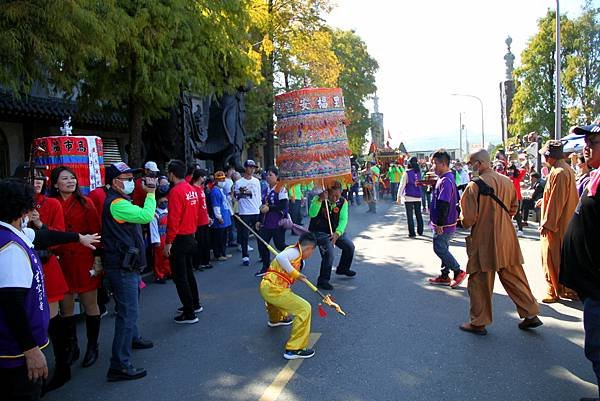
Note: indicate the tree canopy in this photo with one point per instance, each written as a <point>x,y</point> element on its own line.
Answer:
<point>534,102</point>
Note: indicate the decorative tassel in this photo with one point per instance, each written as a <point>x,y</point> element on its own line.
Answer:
<point>322,312</point>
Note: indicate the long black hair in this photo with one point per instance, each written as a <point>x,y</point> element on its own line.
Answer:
<point>54,180</point>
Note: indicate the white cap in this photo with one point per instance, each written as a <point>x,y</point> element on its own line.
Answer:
<point>151,166</point>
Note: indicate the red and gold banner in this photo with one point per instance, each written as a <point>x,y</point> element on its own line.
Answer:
<point>83,154</point>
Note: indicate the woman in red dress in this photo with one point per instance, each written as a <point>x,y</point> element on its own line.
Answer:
<point>80,267</point>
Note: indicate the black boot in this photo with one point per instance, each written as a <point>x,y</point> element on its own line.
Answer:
<point>92,325</point>
<point>71,339</point>
<point>57,331</point>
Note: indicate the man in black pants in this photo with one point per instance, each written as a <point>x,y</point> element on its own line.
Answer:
<point>180,244</point>
<point>319,225</point>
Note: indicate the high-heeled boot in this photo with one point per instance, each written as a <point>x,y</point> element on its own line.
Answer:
<point>62,369</point>
<point>71,339</point>
<point>92,325</point>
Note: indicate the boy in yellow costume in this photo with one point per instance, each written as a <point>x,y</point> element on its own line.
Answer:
<point>281,302</point>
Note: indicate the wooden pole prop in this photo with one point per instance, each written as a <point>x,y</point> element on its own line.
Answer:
<point>327,208</point>
<point>326,298</point>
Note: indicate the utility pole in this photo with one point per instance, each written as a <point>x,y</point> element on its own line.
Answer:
<point>557,111</point>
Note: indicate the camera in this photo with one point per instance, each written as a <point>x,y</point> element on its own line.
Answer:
<point>244,193</point>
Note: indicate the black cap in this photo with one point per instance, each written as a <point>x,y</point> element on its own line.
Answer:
<point>592,129</point>
<point>116,169</point>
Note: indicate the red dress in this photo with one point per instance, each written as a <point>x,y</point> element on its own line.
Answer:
<point>51,215</point>
<point>75,259</point>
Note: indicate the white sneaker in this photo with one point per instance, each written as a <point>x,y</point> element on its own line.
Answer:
<point>250,249</point>
<point>246,261</point>
<point>519,233</point>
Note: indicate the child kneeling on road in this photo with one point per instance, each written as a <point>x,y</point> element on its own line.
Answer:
<point>281,302</point>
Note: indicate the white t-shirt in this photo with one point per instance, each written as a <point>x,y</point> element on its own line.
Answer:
<point>249,206</point>
<point>285,257</point>
<point>227,187</point>
<point>16,266</point>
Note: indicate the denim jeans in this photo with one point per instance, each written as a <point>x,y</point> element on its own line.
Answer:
<point>414,208</point>
<point>353,194</point>
<point>591,324</point>
<point>326,250</point>
<point>125,286</point>
<point>441,247</point>
<point>394,188</point>
<point>425,198</point>
<point>249,219</point>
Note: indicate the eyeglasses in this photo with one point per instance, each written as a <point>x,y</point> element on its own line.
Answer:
<point>470,163</point>
<point>125,179</point>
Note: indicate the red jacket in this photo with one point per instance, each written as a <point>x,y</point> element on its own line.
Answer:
<point>98,196</point>
<point>202,210</point>
<point>517,182</point>
<point>183,211</point>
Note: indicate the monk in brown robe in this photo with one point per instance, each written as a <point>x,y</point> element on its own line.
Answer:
<point>557,208</point>
<point>493,248</point>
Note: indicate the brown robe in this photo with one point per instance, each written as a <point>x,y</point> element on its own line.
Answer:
<point>558,205</point>
<point>493,247</point>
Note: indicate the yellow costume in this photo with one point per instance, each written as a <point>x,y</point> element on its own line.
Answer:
<point>280,301</point>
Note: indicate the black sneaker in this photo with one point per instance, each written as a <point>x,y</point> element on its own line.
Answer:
<point>349,273</point>
<point>140,343</point>
<point>197,309</point>
<point>206,266</point>
<point>259,273</point>
<point>285,322</point>
<point>115,375</point>
<point>325,286</point>
<point>299,354</point>
<point>183,319</point>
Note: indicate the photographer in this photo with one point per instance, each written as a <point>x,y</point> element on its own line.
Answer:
<point>247,191</point>
<point>124,259</point>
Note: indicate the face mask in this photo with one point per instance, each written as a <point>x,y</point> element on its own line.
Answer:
<point>128,187</point>
<point>24,222</point>
<point>163,205</point>
<point>164,188</point>
<point>221,184</point>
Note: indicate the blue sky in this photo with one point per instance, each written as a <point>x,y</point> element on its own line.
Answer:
<point>428,50</point>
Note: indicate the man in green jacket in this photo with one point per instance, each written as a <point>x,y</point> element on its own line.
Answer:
<point>394,174</point>
<point>124,258</point>
<point>326,240</point>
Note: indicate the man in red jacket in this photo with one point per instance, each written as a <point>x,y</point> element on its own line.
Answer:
<point>180,244</point>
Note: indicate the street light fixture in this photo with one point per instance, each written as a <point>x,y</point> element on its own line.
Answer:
<point>557,111</point>
<point>481,104</point>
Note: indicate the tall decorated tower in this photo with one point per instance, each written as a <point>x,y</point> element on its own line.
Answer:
<point>377,134</point>
<point>507,90</point>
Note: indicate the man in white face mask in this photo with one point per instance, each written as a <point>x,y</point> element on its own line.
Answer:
<point>124,258</point>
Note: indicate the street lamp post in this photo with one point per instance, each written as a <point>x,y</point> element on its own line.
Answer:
<point>557,111</point>
<point>481,104</point>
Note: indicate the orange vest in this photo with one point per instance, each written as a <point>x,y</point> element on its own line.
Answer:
<point>279,277</point>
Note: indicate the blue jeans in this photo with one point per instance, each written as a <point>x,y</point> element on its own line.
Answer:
<point>591,324</point>
<point>441,247</point>
<point>394,188</point>
<point>425,198</point>
<point>125,287</point>
<point>353,194</point>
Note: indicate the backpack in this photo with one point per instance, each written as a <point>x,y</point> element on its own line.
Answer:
<point>486,190</point>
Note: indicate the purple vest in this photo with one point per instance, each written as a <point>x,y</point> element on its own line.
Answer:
<point>411,188</point>
<point>272,218</point>
<point>36,308</point>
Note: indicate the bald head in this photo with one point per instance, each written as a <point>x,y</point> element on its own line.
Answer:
<point>481,155</point>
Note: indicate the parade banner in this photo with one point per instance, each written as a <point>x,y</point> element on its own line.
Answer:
<point>83,154</point>
<point>311,127</point>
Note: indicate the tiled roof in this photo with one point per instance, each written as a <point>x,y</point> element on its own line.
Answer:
<point>56,109</point>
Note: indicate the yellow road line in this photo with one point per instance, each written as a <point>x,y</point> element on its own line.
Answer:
<point>286,374</point>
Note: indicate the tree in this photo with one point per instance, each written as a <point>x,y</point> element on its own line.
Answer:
<point>163,47</point>
<point>49,42</point>
<point>357,79</point>
<point>582,74</point>
<point>533,104</point>
<point>288,34</point>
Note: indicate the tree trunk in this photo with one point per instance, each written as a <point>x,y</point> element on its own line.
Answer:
<point>268,71</point>
<point>135,135</point>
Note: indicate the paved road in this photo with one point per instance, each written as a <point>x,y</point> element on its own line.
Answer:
<point>400,340</point>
